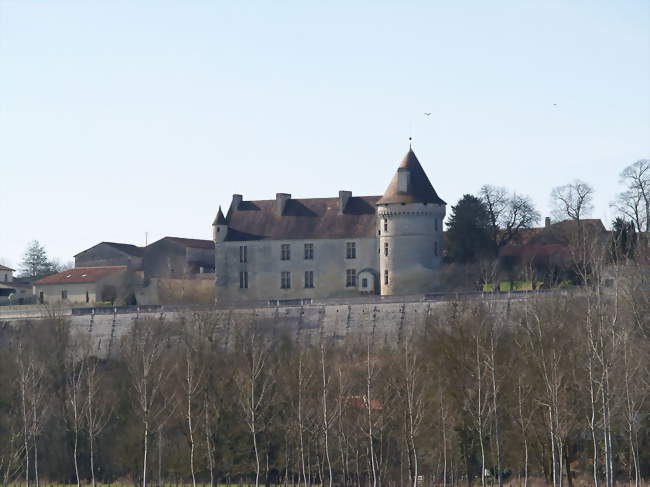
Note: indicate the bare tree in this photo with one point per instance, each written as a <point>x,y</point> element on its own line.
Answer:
<point>572,201</point>
<point>75,398</point>
<point>148,371</point>
<point>410,391</point>
<point>634,200</point>
<point>254,382</point>
<point>97,413</point>
<point>509,214</point>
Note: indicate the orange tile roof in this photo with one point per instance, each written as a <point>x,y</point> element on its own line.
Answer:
<point>80,275</point>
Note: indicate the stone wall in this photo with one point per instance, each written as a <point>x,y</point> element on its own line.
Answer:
<point>264,267</point>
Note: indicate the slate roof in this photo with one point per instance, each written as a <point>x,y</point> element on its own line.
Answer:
<point>80,275</point>
<point>194,243</point>
<point>129,249</point>
<point>4,268</point>
<point>309,218</point>
<point>219,219</point>
<point>420,188</point>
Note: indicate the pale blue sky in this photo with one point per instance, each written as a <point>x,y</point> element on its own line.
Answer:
<point>124,117</point>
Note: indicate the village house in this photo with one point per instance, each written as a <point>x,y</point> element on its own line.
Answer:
<point>6,274</point>
<point>84,285</point>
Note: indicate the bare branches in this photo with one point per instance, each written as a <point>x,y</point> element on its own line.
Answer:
<point>634,200</point>
<point>572,201</point>
<point>509,213</point>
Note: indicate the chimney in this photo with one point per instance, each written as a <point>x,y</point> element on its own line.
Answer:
<point>403,180</point>
<point>547,222</point>
<point>281,200</point>
<point>236,199</point>
<point>344,197</point>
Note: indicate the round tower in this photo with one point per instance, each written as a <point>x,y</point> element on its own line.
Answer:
<point>409,229</point>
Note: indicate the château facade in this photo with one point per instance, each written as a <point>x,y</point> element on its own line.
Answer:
<point>332,247</point>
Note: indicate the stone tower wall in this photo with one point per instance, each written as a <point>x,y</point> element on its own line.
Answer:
<point>414,239</point>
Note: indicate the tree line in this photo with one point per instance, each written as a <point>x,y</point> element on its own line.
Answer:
<point>553,387</point>
<point>481,226</point>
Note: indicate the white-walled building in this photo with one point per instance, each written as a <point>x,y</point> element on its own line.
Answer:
<point>6,274</point>
<point>82,285</point>
<point>332,247</point>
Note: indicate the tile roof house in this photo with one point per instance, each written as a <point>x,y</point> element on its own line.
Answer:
<point>82,285</point>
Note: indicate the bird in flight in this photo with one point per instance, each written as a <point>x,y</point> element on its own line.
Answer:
<point>427,114</point>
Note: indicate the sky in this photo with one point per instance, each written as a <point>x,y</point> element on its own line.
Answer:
<point>131,120</point>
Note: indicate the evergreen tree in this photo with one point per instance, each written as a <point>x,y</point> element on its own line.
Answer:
<point>623,239</point>
<point>468,231</point>
<point>35,262</point>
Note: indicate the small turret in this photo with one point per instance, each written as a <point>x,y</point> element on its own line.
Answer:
<point>219,227</point>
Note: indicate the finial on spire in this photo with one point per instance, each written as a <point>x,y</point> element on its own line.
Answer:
<point>410,139</point>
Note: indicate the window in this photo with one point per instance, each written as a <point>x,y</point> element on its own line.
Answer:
<point>6,277</point>
<point>364,283</point>
<point>386,249</point>
<point>285,280</point>
<point>309,251</point>
<point>87,297</point>
<point>41,297</point>
<point>309,279</point>
<point>435,248</point>
<point>243,280</point>
<point>385,277</point>
<point>435,224</point>
<point>350,250</point>
<point>243,254</point>
<point>350,278</point>
<point>64,294</point>
<point>285,252</point>
<point>385,225</point>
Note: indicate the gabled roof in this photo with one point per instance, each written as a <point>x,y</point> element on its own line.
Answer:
<point>80,275</point>
<point>194,243</point>
<point>4,268</point>
<point>128,249</point>
<point>309,218</point>
<point>219,219</point>
<point>420,188</point>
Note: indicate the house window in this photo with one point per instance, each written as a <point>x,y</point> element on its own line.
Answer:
<point>350,250</point>
<point>309,279</point>
<point>350,278</point>
<point>64,294</point>
<point>309,251</point>
<point>243,280</point>
<point>285,252</point>
<point>364,283</point>
<point>285,280</point>
<point>41,297</point>
<point>385,277</point>
<point>385,225</point>
<point>243,254</point>
<point>386,249</point>
<point>435,224</point>
<point>87,297</point>
<point>435,248</point>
